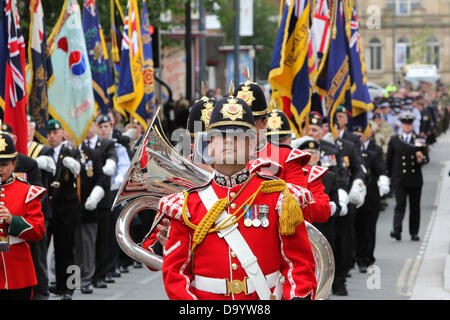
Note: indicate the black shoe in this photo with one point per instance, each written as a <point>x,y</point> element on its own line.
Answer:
<point>137,265</point>
<point>87,289</point>
<point>363,269</point>
<point>115,274</point>
<point>124,269</point>
<point>66,296</point>
<point>415,237</point>
<point>100,284</point>
<point>109,279</point>
<point>340,290</point>
<point>397,235</point>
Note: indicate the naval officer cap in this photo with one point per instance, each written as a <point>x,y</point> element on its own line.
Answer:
<point>407,117</point>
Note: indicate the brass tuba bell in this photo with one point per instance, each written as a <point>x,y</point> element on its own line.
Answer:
<point>157,170</point>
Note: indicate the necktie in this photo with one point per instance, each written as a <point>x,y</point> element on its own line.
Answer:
<point>88,142</point>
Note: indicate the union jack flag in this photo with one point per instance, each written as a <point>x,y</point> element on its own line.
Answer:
<point>90,5</point>
<point>13,94</point>
<point>16,46</point>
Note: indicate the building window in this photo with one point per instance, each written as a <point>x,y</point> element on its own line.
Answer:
<point>375,54</point>
<point>433,50</point>
<point>403,7</point>
<point>407,44</point>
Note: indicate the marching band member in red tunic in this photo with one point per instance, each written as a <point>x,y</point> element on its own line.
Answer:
<point>291,160</point>
<point>21,220</point>
<point>242,235</point>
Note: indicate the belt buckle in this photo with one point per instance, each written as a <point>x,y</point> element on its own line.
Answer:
<point>237,286</point>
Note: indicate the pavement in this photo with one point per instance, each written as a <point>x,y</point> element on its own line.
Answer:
<point>432,281</point>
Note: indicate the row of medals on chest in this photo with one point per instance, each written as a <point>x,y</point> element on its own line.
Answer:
<point>256,216</point>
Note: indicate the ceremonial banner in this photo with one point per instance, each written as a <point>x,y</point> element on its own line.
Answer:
<point>320,28</point>
<point>289,70</point>
<point>360,98</point>
<point>333,77</point>
<point>102,81</point>
<point>13,95</point>
<point>130,90</point>
<point>117,19</point>
<point>147,106</point>
<point>70,95</point>
<point>40,68</point>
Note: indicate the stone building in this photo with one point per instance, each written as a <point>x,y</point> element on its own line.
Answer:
<point>420,30</point>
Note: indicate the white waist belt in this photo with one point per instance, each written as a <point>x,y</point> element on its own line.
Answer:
<point>15,240</point>
<point>221,286</point>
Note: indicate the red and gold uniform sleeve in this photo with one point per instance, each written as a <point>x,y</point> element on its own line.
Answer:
<point>176,269</point>
<point>28,223</point>
<point>320,209</point>
<point>298,265</point>
<point>149,244</point>
<point>293,166</point>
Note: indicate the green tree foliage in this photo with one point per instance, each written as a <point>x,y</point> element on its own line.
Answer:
<point>265,26</point>
<point>52,10</point>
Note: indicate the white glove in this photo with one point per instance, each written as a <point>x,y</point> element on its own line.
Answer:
<point>72,164</point>
<point>357,193</point>
<point>94,198</point>
<point>333,208</point>
<point>46,163</point>
<point>295,143</point>
<point>130,133</point>
<point>110,167</point>
<point>343,202</point>
<point>383,185</point>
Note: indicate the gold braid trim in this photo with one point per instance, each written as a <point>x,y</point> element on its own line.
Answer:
<point>291,213</point>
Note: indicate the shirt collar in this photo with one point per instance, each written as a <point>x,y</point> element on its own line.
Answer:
<point>9,180</point>
<point>231,181</point>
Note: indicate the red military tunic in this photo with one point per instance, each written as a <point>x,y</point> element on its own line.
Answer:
<point>205,274</point>
<point>319,211</point>
<point>291,160</point>
<point>23,202</point>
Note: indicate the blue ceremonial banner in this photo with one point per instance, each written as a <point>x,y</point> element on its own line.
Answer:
<point>41,70</point>
<point>333,77</point>
<point>289,73</point>
<point>102,81</point>
<point>70,95</point>
<point>360,98</point>
<point>130,90</point>
<point>117,20</point>
<point>146,108</point>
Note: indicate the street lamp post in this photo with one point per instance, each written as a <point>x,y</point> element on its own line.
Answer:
<point>236,42</point>
<point>188,48</point>
<point>393,43</point>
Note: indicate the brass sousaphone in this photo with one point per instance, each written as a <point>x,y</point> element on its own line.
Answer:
<point>157,170</point>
